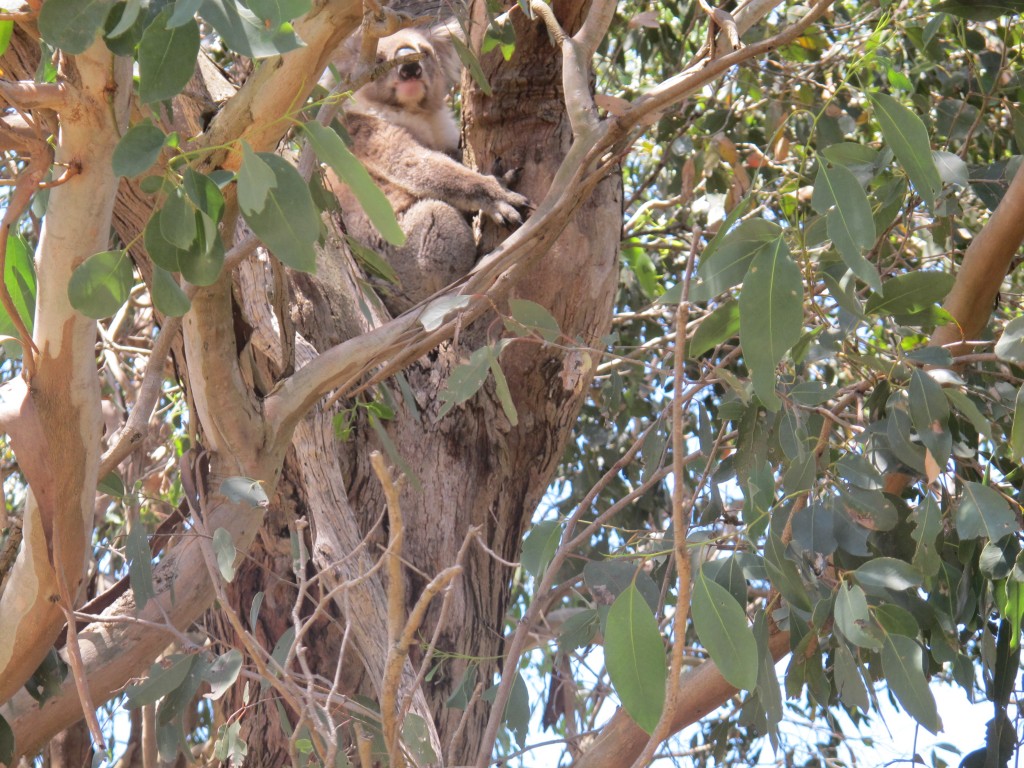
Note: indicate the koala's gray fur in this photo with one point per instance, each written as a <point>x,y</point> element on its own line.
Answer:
<point>404,134</point>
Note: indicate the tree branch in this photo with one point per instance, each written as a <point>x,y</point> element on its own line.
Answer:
<point>122,443</point>
<point>260,112</point>
<point>65,388</point>
<point>985,264</point>
<point>27,95</point>
<point>701,691</point>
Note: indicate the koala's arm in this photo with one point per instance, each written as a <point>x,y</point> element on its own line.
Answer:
<point>396,157</point>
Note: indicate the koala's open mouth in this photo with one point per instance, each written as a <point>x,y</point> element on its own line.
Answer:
<point>412,70</point>
<point>410,87</point>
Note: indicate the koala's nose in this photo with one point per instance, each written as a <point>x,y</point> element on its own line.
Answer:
<point>411,71</point>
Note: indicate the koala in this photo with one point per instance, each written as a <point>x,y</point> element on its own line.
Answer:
<point>406,136</point>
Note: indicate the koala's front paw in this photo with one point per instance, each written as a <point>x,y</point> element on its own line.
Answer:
<point>506,210</point>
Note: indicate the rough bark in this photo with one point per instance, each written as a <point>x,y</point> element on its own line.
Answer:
<point>472,467</point>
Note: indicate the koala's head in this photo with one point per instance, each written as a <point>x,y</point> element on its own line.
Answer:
<point>419,86</point>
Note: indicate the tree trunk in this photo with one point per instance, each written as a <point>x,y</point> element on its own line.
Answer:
<point>472,468</point>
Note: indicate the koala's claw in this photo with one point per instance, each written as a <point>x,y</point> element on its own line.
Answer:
<point>507,211</point>
<point>510,177</point>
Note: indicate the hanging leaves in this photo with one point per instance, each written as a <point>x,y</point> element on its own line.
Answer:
<point>636,658</point>
<point>771,315</point>
<point>721,625</point>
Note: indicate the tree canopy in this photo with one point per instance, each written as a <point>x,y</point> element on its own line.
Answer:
<point>744,388</point>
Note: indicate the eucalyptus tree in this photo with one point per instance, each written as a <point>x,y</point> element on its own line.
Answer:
<point>744,386</point>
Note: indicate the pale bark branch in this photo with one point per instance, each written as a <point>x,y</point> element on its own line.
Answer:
<point>984,266</point>
<point>261,111</point>
<point>16,133</point>
<point>114,651</point>
<point>26,95</point>
<point>595,26</point>
<point>701,691</point>
<point>228,417</point>
<point>65,388</point>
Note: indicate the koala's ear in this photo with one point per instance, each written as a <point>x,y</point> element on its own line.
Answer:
<point>441,38</point>
<point>345,60</point>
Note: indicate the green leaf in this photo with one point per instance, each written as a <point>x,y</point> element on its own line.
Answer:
<point>470,62</point>
<point>167,58</point>
<point>887,573</point>
<point>255,180</point>
<point>222,673</point>
<point>178,220</point>
<point>983,512</point>
<point>635,657</point>
<point>72,25</point>
<point>927,520</point>
<point>517,710</point>
<point>101,284</point>
<point>502,390</point>
<point>1017,431</point>
<point>721,625</point>
<point>20,279</point>
<point>332,150</point>
<point>910,293</point>
<point>184,10</point>
<point>540,546</point>
<point>768,690</point>
<point>726,265</point>
<point>771,316</point>
<point>167,294</point>
<point>112,485</point>
<point>465,381</point>
<point>201,264</point>
<point>244,32</point>
<point>892,618</point>
<point>907,136</point>
<point>163,253</point>
<point>998,558</point>
<point>646,273</point>
<point>7,743</point>
<point>839,196</point>
<point>608,579</point>
<point>276,12</point>
<point>140,570</point>
<point>288,223</point>
<point>719,326</point>
<point>813,528</point>
<point>978,11</point>
<point>462,694</point>
<point>6,30</point>
<point>578,630</point>
<point>929,412</point>
<point>531,317</point>
<point>784,574</point>
<point>849,684</point>
<point>224,548</point>
<point>204,194</point>
<point>852,617</point>
<point>138,149</point>
<point>1010,346</point>
<point>416,736</point>
<point>966,406</point>
<point>952,169</point>
<point>164,677</point>
<point>903,665</point>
